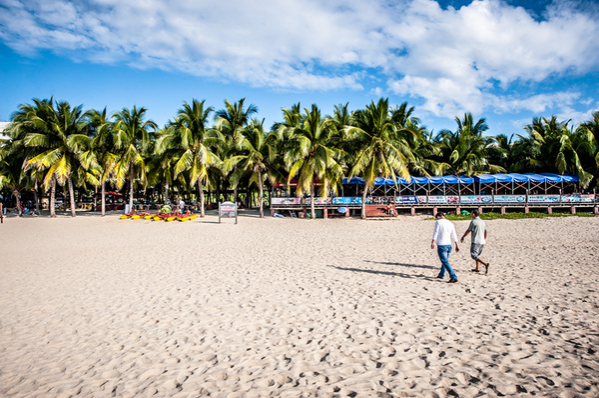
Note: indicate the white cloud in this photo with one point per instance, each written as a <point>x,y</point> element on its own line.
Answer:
<point>577,117</point>
<point>455,60</point>
<point>538,103</point>
<point>463,58</point>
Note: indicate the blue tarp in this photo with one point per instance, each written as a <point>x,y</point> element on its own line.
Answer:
<point>560,178</point>
<point>537,178</point>
<point>490,178</point>
<point>483,178</point>
<point>353,181</point>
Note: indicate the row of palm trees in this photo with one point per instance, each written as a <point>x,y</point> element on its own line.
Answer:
<point>52,143</point>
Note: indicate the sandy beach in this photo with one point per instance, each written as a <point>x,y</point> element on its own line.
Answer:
<point>102,307</point>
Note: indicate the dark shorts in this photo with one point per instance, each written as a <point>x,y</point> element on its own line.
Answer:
<point>476,250</point>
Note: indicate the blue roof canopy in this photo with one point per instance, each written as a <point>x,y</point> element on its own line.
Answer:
<point>483,178</point>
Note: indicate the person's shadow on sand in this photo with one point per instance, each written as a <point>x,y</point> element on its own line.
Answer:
<point>389,273</point>
<point>401,264</point>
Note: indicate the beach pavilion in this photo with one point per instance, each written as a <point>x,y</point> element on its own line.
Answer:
<point>452,193</point>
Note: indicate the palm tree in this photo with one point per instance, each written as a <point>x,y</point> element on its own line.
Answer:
<point>503,153</point>
<point>23,125</point>
<point>553,146</point>
<point>12,176</point>
<point>418,139</point>
<point>230,122</point>
<point>590,131</point>
<point>313,154</point>
<point>234,117</point>
<point>466,151</point>
<point>103,148</point>
<point>401,115</point>
<point>131,141</point>
<point>190,140</point>
<point>160,167</point>
<point>57,133</point>
<point>258,158</point>
<point>342,116</point>
<point>378,148</point>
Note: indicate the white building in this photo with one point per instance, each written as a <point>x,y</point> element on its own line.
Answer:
<point>3,126</point>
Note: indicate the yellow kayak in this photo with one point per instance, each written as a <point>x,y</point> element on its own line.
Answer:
<point>171,218</point>
<point>193,217</point>
<point>150,216</point>
<point>156,218</point>
<point>136,217</point>
<point>124,216</point>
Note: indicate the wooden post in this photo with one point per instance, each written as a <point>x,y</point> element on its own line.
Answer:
<point>435,211</point>
<point>413,211</point>
<point>573,209</point>
<point>480,210</point>
<point>596,210</point>
<point>458,211</point>
<point>549,210</point>
<point>526,209</point>
<point>1,214</point>
<point>272,212</point>
<point>347,212</point>
<point>502,209</point>
<point>325,213</point>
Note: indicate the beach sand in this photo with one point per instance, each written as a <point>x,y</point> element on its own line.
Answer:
<point>101,307</point>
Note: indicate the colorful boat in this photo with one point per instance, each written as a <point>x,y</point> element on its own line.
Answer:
<point>128,215</point>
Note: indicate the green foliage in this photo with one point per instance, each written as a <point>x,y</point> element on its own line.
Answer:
<point>53,143</point>
<point>467,151</point>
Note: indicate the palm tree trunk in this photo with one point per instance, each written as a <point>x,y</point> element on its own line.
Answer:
<point>261,193</point>
<point>37,201</point>
<point>165,193</point>
<point>248,196</point>
<point>71,196</point>
<point>131,190</point>
<point>312,208</point>
<point>201,195</point>
<point>103,198</point>
<point>363,216</point>
<point>53,198</point>
<point>217,190</point>
<point>17,196</point>
<point>96,198</point>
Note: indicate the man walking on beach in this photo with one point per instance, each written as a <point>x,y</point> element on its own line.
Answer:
<point>443,234</point>
<point>479,238</point>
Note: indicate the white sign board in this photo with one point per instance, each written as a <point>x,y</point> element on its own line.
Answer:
<point>227,209</point>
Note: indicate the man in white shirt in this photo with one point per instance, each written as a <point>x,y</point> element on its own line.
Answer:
<point>443,235</point>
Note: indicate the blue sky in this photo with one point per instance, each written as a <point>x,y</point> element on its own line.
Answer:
<point>506,61</point>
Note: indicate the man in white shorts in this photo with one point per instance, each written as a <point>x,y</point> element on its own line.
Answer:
<point>479,238</point>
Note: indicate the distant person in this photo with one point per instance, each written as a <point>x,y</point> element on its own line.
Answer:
<point>478,240</point>
<point>391,209</point>
<point>443,235</point>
